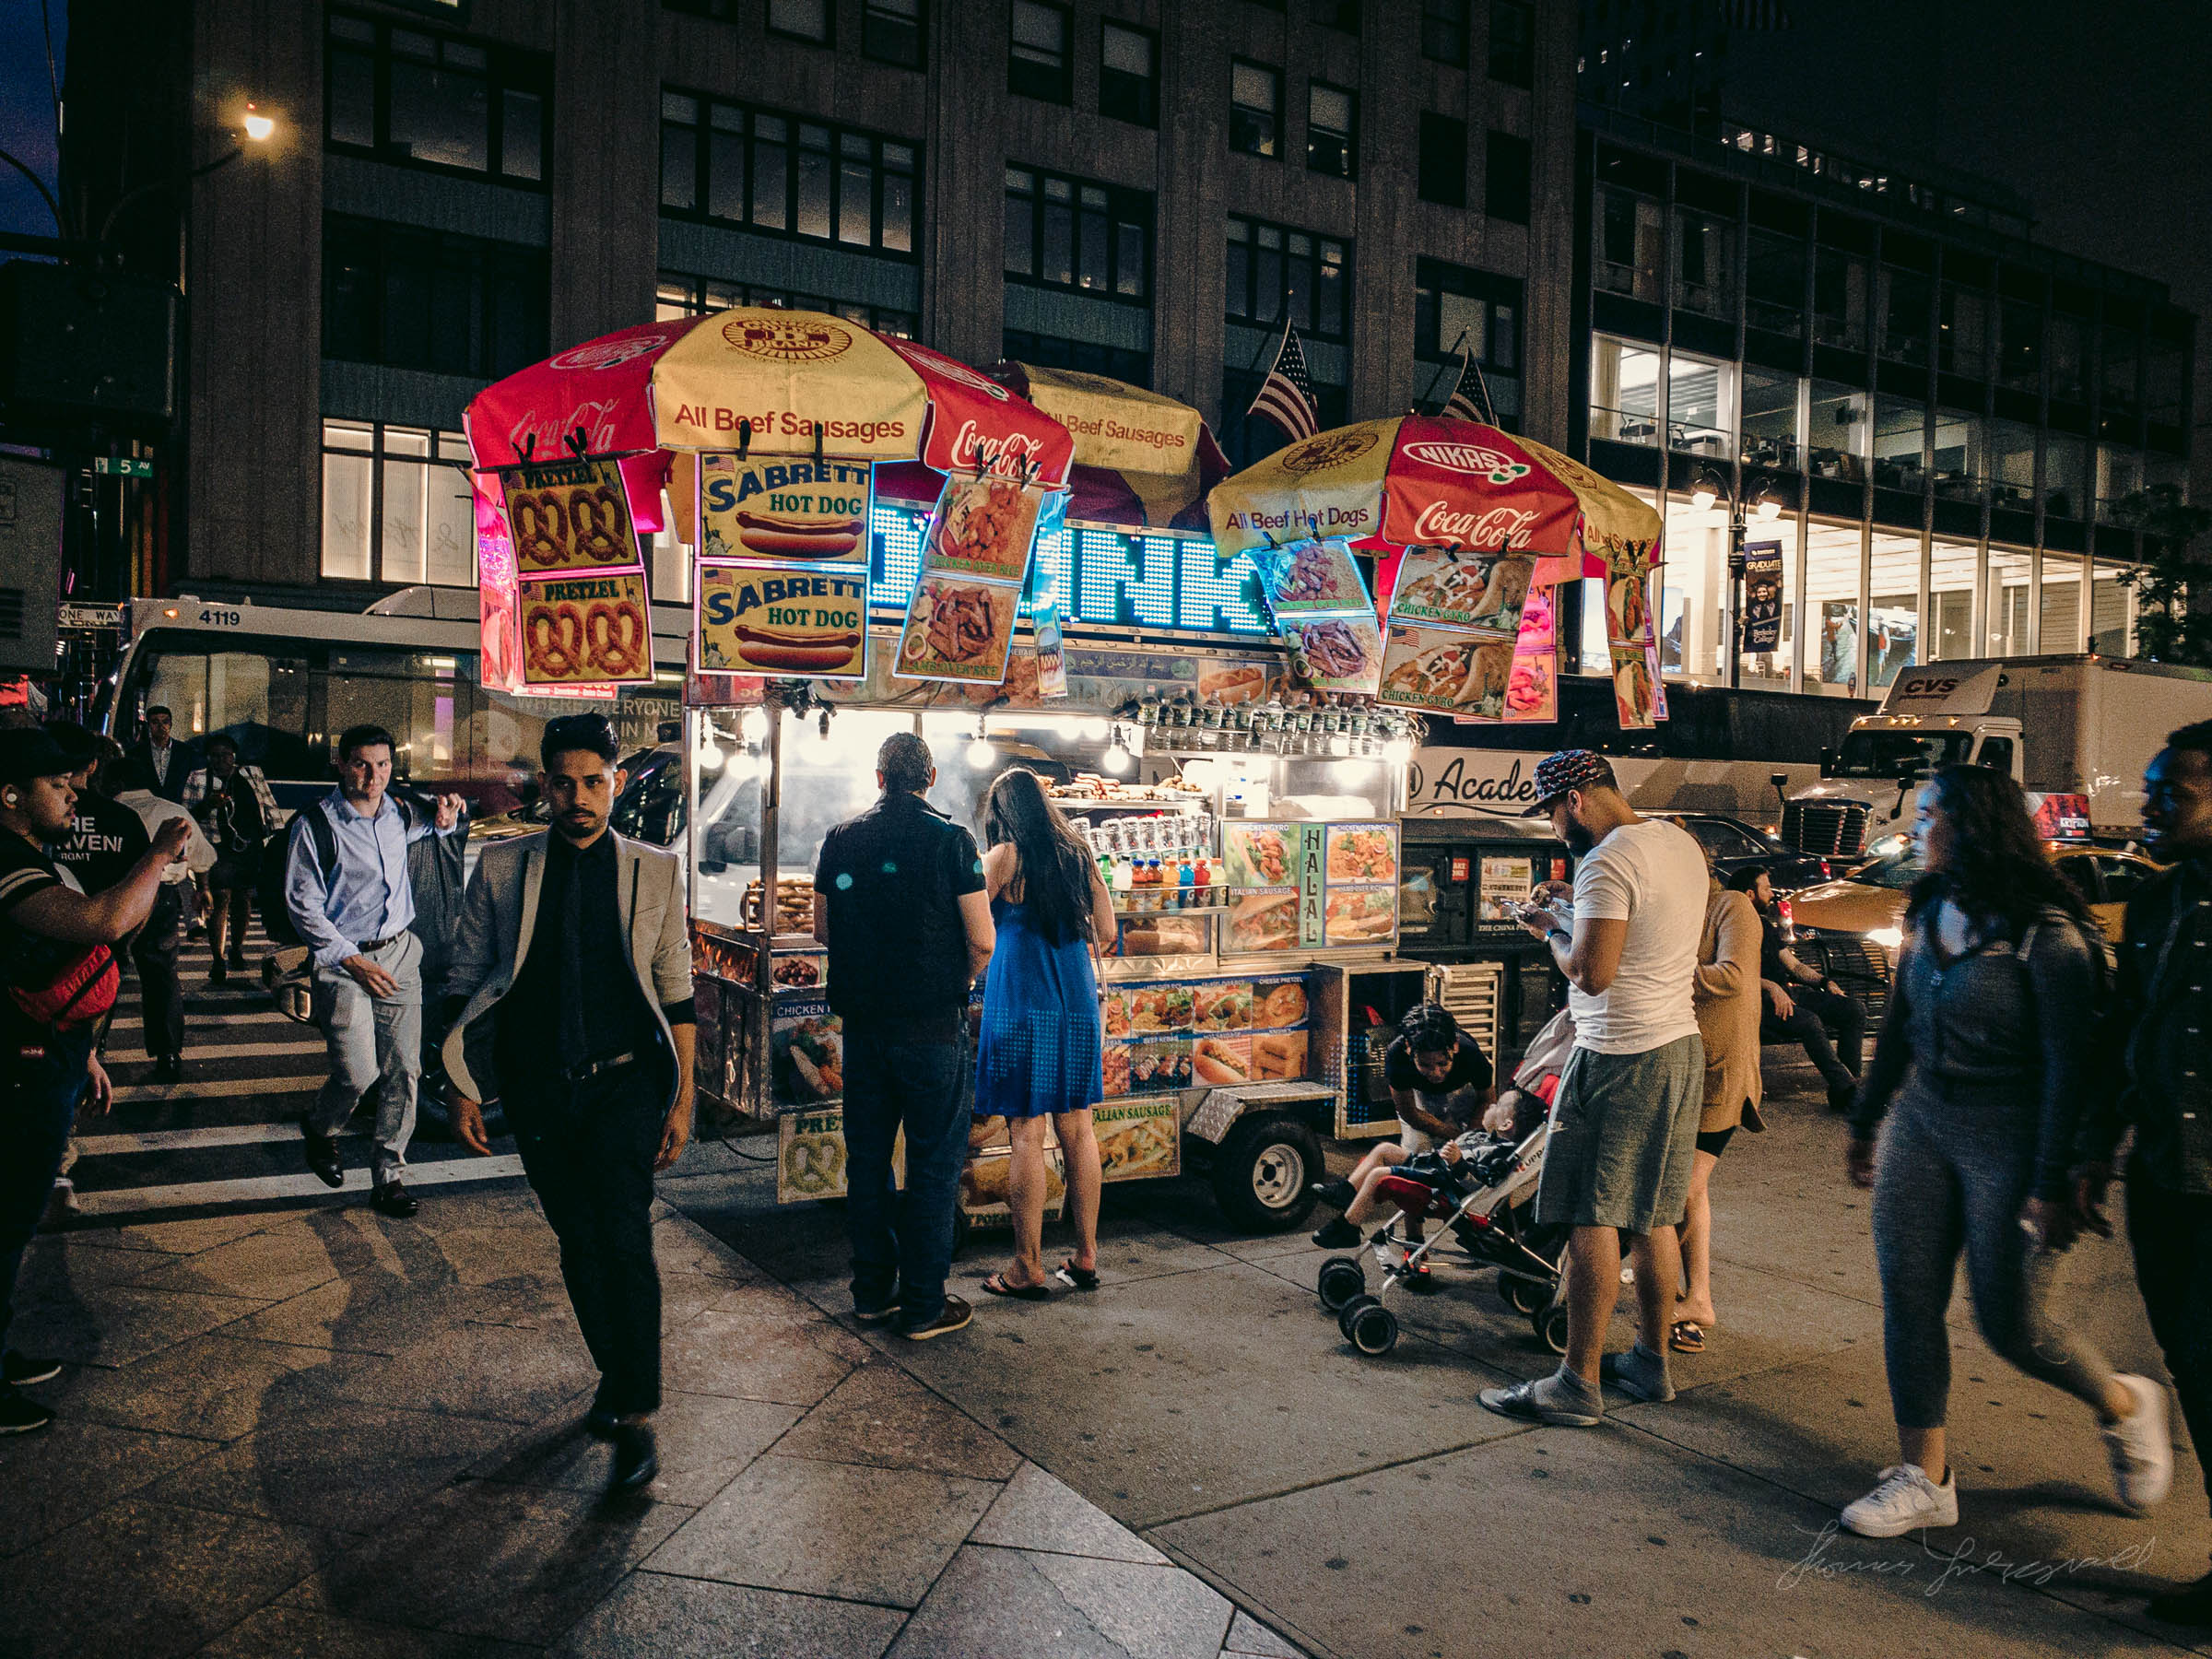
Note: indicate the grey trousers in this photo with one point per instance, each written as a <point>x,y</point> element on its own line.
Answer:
<point>1952,1175</point>
<point>376,1042</point>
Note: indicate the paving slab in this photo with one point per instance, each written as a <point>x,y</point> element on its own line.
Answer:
<point>881,1417</point>
<point>124,1323</point>
<point>698,1619</point>
<point>1011,1601</point>
<point>704,1441</point>
<point>747,1355</point>
<point>292,1633</point>
<point>55,1478</point>
<point>212,1387</point>
<point>273,1265</point>
<point>830,1529</point>
<point>473,1370</point>
<point>1040,1512</point>
<point>486,1558</point>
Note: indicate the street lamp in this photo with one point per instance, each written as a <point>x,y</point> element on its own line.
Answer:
<point>1709,489</point>
<point>256,123</point>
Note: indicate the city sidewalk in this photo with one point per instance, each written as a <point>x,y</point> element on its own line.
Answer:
<point>319,1432</point>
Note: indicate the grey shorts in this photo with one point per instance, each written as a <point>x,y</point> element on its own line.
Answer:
<point>1624,1136</point>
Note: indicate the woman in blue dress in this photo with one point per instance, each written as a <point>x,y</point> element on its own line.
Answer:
<point>1039,1053</point>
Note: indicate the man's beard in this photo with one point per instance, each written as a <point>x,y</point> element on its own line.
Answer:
<point>1579,841</point>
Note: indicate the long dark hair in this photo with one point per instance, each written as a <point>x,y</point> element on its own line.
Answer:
<point>1998,871</point>
<point>1055,866</point>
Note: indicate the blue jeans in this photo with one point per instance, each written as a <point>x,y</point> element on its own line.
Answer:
<point>903,1240</point>
<point>37,1105</point>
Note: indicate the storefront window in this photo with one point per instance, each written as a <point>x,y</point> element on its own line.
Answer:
<point>1624,390</point>
<point>2119,476</point>
<point>1961,456</point>
<point>1705,263</point>
<point>1898,436</point>
<point>1701,405</point>
<point>1893,607</point>
<point>2061,603</point>
<point>1770,425</point>
<point>1951,600</point>
<point>2065,477</point>
<point>2006,631</point>
<point>1836,426</point>
<point>2012,465</point>
<point>1627,233</point>
<point>1691,591</point>
<point>2112,610</point>
<point>1833,559</point>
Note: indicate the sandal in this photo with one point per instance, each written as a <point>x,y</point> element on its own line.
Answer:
<point>1685,1337</point>
<point>996,1286</point>
<point>1074,1278</point>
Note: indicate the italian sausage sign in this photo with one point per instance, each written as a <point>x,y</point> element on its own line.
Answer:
<point>781,620</point>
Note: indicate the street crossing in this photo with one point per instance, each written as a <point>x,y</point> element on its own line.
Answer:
<point>228,1133</point>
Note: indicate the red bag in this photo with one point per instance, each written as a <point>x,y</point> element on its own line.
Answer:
<point>80,993</point>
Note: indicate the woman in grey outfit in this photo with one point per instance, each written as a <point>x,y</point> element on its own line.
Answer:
<point>1982,1068</point>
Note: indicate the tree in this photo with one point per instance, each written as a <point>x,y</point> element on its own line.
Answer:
<point>2168,625</point>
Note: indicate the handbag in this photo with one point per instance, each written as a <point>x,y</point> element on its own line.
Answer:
<point>82,992</point>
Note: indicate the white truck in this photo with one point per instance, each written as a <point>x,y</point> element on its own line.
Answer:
<point>2061,726</point>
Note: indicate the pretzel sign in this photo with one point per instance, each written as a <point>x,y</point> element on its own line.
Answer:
<point>585,631</point>
<point>569,515</point>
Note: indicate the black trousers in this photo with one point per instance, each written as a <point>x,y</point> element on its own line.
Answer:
<point>2172,1233</point>
<point>153,954</point>
<point>588,1149</point>
<point>1816,1010</point>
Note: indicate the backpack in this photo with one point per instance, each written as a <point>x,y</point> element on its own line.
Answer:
<point>268,897</point>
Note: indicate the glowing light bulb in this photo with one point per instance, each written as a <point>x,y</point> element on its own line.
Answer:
<point>1767,511</point>
<point>1118,759</point>
<point>258,126</point>
<point>1398,751</point>
<point>980,754</point>
<point>1092,729</point>
<point>1703,496</point>
<point>711,757</point>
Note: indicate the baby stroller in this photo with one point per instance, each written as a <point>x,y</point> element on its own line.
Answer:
<point>1483,1197</point>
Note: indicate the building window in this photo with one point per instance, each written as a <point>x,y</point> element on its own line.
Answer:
<point>2021,345</point>
<point>750,167</point>
<point>1628,231</point>
<point>1839,300</point>
<point>891,31</point>
<point>1624,390</point>
<point>2065,477</point>
<point>1513,42</point>
<point>679,294</point>
<point>1453,307</point>
<point>2012,465</point>
<point>1963,332</point>
<point>410,298</point>
<point>1129,74</point>
<point>1071,233</point>
<point>1701,405</point>
<point>1959,461</point>
<point>1903,309</point>
<point>1770,434</point>
<point>1899,435</point>
<point>1774,283</point>
<point>1442,171</point>
<point>2068,351</point>
<point>1705,263</point>
<point>1047,352</point>
<point>408,96</point>
<point>1337,14</point>
<point>1835,561</point>
<point>1331,130</point>
<point>1255,109</point>
<point>2165,370</point>
<point>800,19</point>
<point>1276,272</point>
<point>1037,62</point>
<point>1444,31</point>
<point>1506,185</point>
<point>1838,419</point>
<point>397,506</point>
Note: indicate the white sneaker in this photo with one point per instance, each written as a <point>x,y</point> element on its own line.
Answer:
<point>2140,1447</point>
<point>1906,1501</point>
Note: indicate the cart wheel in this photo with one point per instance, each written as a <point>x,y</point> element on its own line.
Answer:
<point>1351,1310</point>
<point>1551,1327</point>
<point>1521,1295</point>
<point>1341,1279</point>
<point>961,1228</point>
<point>1374,1330</point>
<point>1264,1171</point>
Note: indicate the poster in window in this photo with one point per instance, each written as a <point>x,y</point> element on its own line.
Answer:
<point>1506,881</point>
<point>1762,595</point>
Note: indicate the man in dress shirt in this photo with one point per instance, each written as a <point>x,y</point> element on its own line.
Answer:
<point>168,763</point>
<point>351,900</point>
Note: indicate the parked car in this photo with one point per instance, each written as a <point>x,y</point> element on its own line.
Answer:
<point>1733,845</point>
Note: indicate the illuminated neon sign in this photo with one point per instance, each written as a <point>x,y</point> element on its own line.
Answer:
<point>1104,578</point>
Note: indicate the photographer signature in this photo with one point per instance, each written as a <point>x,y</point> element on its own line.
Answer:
<point>1942,1566</point>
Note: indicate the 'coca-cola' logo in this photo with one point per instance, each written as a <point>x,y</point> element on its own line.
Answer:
<point>606,354</point>
<point>547,437</point>
<point>1009,455</point>
<point>1492,465</point>
<point>1492,527</point>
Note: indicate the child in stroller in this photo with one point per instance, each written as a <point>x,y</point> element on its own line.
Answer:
<point>1478,1185</point>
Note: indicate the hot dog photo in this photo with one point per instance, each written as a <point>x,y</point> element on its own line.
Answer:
<point>772,619</point>
<point>786,507</point>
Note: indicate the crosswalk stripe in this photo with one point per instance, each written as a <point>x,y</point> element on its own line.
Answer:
<point>203,1090</point>
<point>183,1140</point>
<point>228,1051</point>
<point>262,1189</point>
<point>192,1017</point>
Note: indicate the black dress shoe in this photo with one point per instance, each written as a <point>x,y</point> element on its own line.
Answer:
<point>637,1460</point>
<point>218,974</point>
<point>169,1069</point>
<point>393,1199</point>
<point>322,1157</point>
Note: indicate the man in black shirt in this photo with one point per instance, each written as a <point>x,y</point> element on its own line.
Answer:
<point>574,944</point>
<point>1804,1003</point>
<point>899,899</point>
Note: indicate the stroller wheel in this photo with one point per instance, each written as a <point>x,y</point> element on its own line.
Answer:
<point>1373,1328</point>
<point>1350,1310</point>
<point>1341,1279</point>
<point>1551,1326</point>
<point>1521,1295</point>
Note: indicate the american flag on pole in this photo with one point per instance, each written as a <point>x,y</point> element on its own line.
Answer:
<point>1461,404</point>
<point>1286,396</point>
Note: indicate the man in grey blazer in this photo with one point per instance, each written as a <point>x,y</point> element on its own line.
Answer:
<point>573,976</point>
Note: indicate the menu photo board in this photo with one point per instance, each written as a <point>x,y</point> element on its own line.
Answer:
<point>976,560</point>
<point>784,508</point>
<point>1360,879</point>
<point>1633,643</point>
<point>1322,610</point>
<point>1455,619</point>
<point>811,1156</point>
<point>1204,1034</point>
<point>807,1052</point>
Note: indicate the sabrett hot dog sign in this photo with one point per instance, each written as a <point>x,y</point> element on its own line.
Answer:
<point>785,506</point>
<point>772,619</point>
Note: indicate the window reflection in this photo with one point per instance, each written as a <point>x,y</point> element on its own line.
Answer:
<point>1893,608</point>
<point>1832,561</point>
<point>1624,391</point>
<point>1951,600</point>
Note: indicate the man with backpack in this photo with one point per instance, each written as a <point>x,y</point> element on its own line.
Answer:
<point>348,897</point>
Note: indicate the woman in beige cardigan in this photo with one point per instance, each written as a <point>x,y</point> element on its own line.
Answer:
<point>1726,997</point>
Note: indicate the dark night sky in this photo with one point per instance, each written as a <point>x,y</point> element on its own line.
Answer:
<point>27,112</point>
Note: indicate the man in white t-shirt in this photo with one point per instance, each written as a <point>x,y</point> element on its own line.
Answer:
<point>1625,1122</point>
